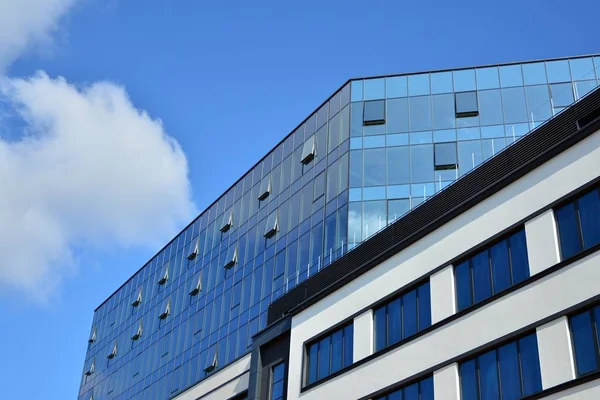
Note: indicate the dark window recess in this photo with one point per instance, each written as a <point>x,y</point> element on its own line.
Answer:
<point>277,384</point>
<point>194,251</point>
<point>402,317</point>
<point>91,369</point>
<point>492,270</point>
<point>113,352</point>
<point>445,156</point>
<point>138,333</point>
<point>232,256</point>
<point>227,221</point>
<point>466,104</point>
<point>211,359</point>
<point>92,338</point>
<point>329,354</point>
<point>197,287</point>
<point>588,119</point>
<point>511,371</point>
<point>579,224</point>
<point>138,299</point>
<point>584,331</point>
<point>272,225</point>
<point>374,112</point>
<point>265,188</point>
<point>422,390</point>
<point>164,277</point>
<point>166,310</point>
<point>308,150</point>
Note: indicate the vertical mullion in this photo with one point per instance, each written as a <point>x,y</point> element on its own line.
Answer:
<point>478,377</point>
<point>520,367</point>
<point>402,318</point>
<point>387,325</point>
<point>471,275</point>
<point>595,330</point>
<point>510,260</point>
<point>579,227</point>
<point>489,260</point>
<point>497,352</point>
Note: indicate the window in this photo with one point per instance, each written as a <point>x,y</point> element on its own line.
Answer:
<point>445,156</point>
<point>308,150</point>
<point>422,390</point>
<point>138,299</point>
<point>165,276</point>
<point>138,332</point>
<point>232,256</point>
<point>211,359</point>
<point>374,112</point>
<point>166,310</point>
<point>402,317</point>
<point>91,369</point>
<point>227,221</point>
<point>194,251</point>
<point>329,354</point>
<point>511,371</point>
<point>466,104</point>
<point>492,270</point>
<point>197,287</point>
<point>579,224</point>
<point>113,352</point>
<point>92,338</point>
<point>584,331</point>
<point>272,225</point>
<point>265,188</point>
<point>277,386</point>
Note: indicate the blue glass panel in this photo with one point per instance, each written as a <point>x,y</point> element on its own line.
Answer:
<point>400,139</point>
<point>348,345</point>
<point>278,372</point>
<point>420,137</point>
<point>324,357</point>
<point>421,163</point>
<point>441,82</point>
<point>584,87</point>
<point>420,113</point>
<point>463,285</point>
<point>411,392</point>
<point>558,71</point>
<point>582,69</point>
<point>500,266</point>
<point>530,365</point>
<point>513,103</point>
<point>510,379</point>
<point>418,85</point>
<point>397,115</point>
<point>374,141</point>
<point>409,313</point>
<point>534,73</point>
<point>568,230</point>
<point>469,155</point>
<point>488,376</point>
<point>337,351</point>
<point>397,208</point>
<point>562,94</point>
<point>374,89</point>
<point>397,395</point>
<point>444,116</point>
<point>448,135</point>
<point>584,343</point>
<point>464,80</point>
<point>394,321</point>
<point>487,78</point>
<point>482,284</point>
<point>518,256</point>
<point>380,328</point>
<point>490,107</point>
<point>511,75</point>
<point>277,391</point>
<point>424,306</point>
<point>538,101</point>
<point>356,89</point>
<point>589,215</point>
<point>313,362</point>
<point>374,167</point>
<point>468,381</point>
<point>396,87</point>
<point>398,165</point>
<point>427,389</point>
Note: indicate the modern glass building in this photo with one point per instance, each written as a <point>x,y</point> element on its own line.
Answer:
<point>374,150</point>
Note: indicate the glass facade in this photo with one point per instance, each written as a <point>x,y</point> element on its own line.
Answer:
<point>374,150</point>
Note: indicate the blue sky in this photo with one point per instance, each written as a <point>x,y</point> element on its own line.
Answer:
<point>228,80</point>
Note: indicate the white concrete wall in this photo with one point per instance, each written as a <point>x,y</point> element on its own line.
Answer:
<point>587,391</point>
<point>224,384</point>
<point>556,178</point>
<point>542,242</point>
<point>446,383</point>
<point>556,353</point>
<point>363,335</point>
<point>443,294</point>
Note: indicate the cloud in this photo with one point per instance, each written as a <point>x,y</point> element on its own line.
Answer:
<point>28,23</point>
<point>87,170</point>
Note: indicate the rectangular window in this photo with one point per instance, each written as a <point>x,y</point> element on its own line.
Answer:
<point>445,156</point>
<point>511,371</point>
<point>584,331</point>
<point>265,188</point>
<point>466,104</point>
<point>329,354</point>
<point>272,225</point>
<point>492,270</point>
<point>308,150</point>
<point>227,222</point>
<point>277,381</point>
<point>402,317</point>
<point>374,112</point>
<point>579,224</point>
<point>231,257</point>
<point>422,390</point>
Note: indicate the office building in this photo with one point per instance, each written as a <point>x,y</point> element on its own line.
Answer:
<point>312,278</point>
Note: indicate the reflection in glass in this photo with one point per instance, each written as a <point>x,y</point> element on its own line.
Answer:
<point>374,217</point>
<point>464,80</point>
<point>418,85</point>
<point>374,167</point>
<point>487,78</point>
<point>490,107</point>
<point>510,76</point>
<point>420,113</point>
<point>582,69</point>
<point>397,115</point>
<point>469,156</point>
<point>356,89</point>
<point>538,102</point>
<point>374,89</point>
<point>443,111</point>
<point>558,71</point>
<point>562,94</point>
<point>421,163</point>
<point>514,106</point>
<point>534,73</point>
<point>398,165</point>
<point>441,82</point>
<point>396,87</point>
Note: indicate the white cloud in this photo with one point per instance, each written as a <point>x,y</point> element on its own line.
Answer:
<point>28,23</point>
<point>88,170</point>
